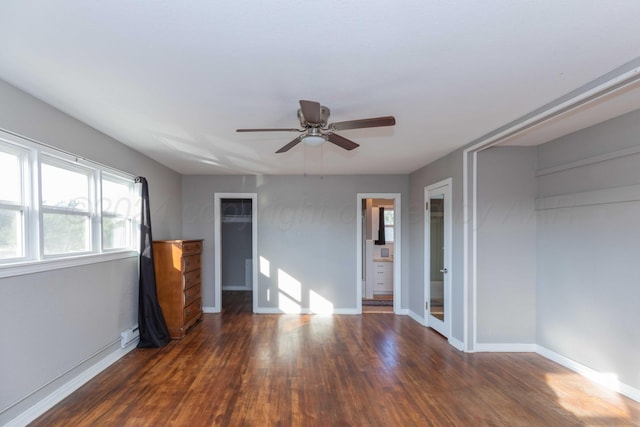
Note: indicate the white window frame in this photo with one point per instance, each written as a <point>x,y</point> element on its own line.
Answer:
<point>391,226</point>
<point>33,154</point>
<point>22,206</point>
<point>132,217</point>
<point>89,213</point>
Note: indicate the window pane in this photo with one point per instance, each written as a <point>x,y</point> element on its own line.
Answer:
<point>11,188</point>
<point>64,188</point>
<point>65,233</point>
<point>116,198</point>
<point>10,234</point>
<point>114,233</point>
<point>388,217</point>
<point>388,234</point>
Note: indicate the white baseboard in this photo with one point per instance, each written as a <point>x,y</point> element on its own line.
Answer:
<point>210,310</point>
<point>505,348</point>
<point>275,310</point>
<point>607,380</point>
<point>417,318</point>
<point>69,387</point>
<point>402,312</point>
<point>456,343</point>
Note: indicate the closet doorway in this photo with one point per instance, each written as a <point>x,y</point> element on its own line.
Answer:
<point>235,247</point>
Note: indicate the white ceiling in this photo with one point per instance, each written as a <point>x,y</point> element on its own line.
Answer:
<point>174,79</point>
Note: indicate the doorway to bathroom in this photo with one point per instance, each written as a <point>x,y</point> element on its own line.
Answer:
<point>378,252</point>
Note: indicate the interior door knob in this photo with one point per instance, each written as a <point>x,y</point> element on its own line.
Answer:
<point>444,270</point>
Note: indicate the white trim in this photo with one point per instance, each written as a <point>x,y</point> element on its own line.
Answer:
<point>550,112</point>
<point>40,266</point>
<point>70,386</point>
<point>338,311</point>
<point>457,344</point>
<point>209,309</point>
<point>590,161</point>
<point>474,253</point>
<point>217,274</point>
<point>417,318</point>
<point>403,312</point>
<point>397,247</point>
<point>629,193</point>
<point>603,379</point>
<point>505,348</point>
<point>465,252</point>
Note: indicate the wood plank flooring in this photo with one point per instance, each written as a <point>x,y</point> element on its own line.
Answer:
<point>241,369</point>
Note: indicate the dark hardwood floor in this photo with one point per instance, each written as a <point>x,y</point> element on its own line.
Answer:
<point>241,369</point>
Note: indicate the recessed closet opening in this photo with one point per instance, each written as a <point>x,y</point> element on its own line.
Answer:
<point>235,251</point>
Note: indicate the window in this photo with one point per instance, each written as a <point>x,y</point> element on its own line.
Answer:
<point>55,207</point>
<point>66,208</point>
<point>117,212</point>
<point>12,206</point>
<point>389,223</point>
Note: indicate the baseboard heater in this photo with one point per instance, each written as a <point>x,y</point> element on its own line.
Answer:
<point>129,335</point>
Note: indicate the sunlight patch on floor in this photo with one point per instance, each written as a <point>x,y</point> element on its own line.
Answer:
<point>590,405</point>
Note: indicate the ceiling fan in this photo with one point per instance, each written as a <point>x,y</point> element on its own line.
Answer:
<point>315,130</point>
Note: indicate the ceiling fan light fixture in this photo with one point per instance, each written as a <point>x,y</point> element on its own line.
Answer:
<point>313,140</point>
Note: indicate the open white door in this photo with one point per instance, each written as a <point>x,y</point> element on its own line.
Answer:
<point>438,256</point>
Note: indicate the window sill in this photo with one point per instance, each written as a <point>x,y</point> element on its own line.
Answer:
<point>30,267</point>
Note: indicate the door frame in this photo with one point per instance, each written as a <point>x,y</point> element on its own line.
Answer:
<point>217,242</point>
<point>397,248</point>
<point>445,186</point>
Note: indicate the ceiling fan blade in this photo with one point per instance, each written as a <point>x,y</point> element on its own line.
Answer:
<point>311,112</point>
<point>364,123</point>
<point>341,141</point>
<point>270,130</point>
<point>289,146</point>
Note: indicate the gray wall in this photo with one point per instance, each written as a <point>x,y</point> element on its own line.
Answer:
<point>449,166</point>
<point>59,322</point>
<point>306,228</point>
<point>506,246</point>
<point>588,250</point>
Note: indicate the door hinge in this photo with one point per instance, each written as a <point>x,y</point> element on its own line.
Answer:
<point>426,205</point>
<point>426,305</point>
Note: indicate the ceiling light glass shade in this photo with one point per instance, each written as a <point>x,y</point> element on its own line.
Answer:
<point>313,140</point>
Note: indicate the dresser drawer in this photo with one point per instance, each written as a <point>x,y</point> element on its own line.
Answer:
<point>191,248</point>
<point>191,278</point>
<point>192,311</point>
<point>191,295</point>
<point>190,263</point>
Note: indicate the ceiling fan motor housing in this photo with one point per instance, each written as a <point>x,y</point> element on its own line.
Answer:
<point>324,117</point>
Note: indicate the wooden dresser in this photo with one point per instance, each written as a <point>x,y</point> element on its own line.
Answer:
<point>178,267</point>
